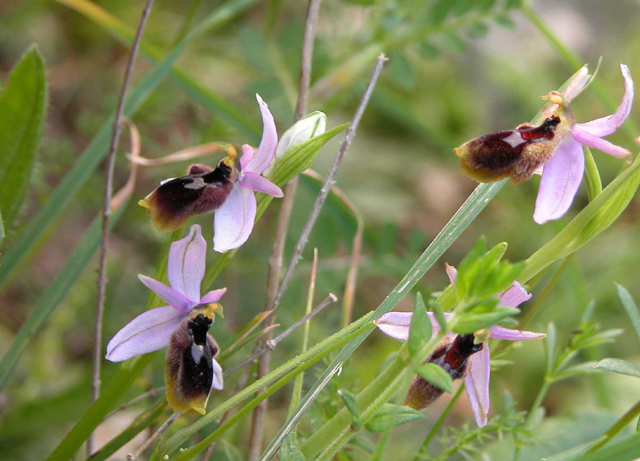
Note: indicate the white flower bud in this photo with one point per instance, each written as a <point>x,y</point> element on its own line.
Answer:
<point>304,129</point>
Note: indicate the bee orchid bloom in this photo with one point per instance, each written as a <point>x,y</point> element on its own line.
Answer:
<point>228,190</point>
<point>555,147</point>
<point>459,355</point>
<point>182,325</point>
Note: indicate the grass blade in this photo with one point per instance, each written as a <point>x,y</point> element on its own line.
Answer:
<point>630,308</point>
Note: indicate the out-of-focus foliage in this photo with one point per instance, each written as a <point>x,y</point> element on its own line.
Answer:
<point>456,70</point>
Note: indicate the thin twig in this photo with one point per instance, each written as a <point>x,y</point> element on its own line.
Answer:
<point>271,344</point>
<point>284,216</point>
<point>150,393</point>
<point>106,213</point>
<point>324,191</point>
<point>158,433</point>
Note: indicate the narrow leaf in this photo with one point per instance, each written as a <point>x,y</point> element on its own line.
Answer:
<point>420,327</point>
<point>23,105</point>
<point>390,416</point>
<point>626,450</point>
<point>620,366</point>
<point>351,403</point>
<point>437,376</point>
<point>290,451</point>
<point>630,308</point>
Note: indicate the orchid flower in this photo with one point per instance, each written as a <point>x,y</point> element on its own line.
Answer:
<point>228,190</point>
<point>474,362</point>
<point>554,148</point>
<point>181,325</point>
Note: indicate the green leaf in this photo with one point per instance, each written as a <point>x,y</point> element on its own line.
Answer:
<point>23,104</point>
<point>439,11</point>
<point>438,313</point>
<point>436,375</point>
<point>390,416</point>
<point>420,327</point>
<point>301,156</point>
<point>351,403</point>
<point>290,451</point>
<point>630,308</point>
<point>620,366</point>
<point>625,450</point>
<point>478,29</point>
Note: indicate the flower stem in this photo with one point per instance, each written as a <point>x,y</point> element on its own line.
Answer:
<point>591,175</point>
<point>425,445</point>
<point>106,213</point>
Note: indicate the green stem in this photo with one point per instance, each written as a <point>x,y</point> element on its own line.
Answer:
<point>434,430</point>
<point>628,417</point>
<point>380,447</point>
<point>542,393</point>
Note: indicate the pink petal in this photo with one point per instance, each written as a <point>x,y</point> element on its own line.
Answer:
<point>213,296</point>
<point>514,335</point>
<point>561,178</point>
<point>267,148</point>
<point>452,273</point>
<point>396,324</point>
<point>514,295</point>
<point>173,297</point>
<point>604,126</point>
<point>577,84</point>
<point>585,138</point>
<point>186,265</point>
<point>476,383</point>
<point>218,377</point>
<point>146,333</point>
<point>247,155</point>
<point>233,222</point>
<point>256,182</point>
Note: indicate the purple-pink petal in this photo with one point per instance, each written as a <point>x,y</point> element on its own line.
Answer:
<point>218,377</point>
<point>267,148</point>
<point>578,82</point>
<point>397,324</point>
<point>186,264</point>
<point>213,296</point>
<point>233,222</point>
<point>585,138</point>
<point>146,333</point>
<point>561,178</point>
<point>476,384</point>
<point>256,182</point>
<point>604,126</point>
<point>452,273</point>
<point>247,155</point>
<point>177,300</point>
<point>514,335</point>
<point>514,295</point>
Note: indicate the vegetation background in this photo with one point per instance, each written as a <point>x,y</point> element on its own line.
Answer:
<point>447,81</point>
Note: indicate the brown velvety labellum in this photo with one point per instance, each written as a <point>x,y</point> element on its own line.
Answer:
<point>515,153</point>
<point>452,355</point>
<point>202,190</point>
<point>189,369</point>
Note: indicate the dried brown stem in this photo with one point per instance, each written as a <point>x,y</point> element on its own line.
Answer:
<point>190,153</point>
<point>284,216</point>
<point>106,211</point>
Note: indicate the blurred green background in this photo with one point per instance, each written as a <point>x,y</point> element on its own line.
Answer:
<point>473,71</point>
